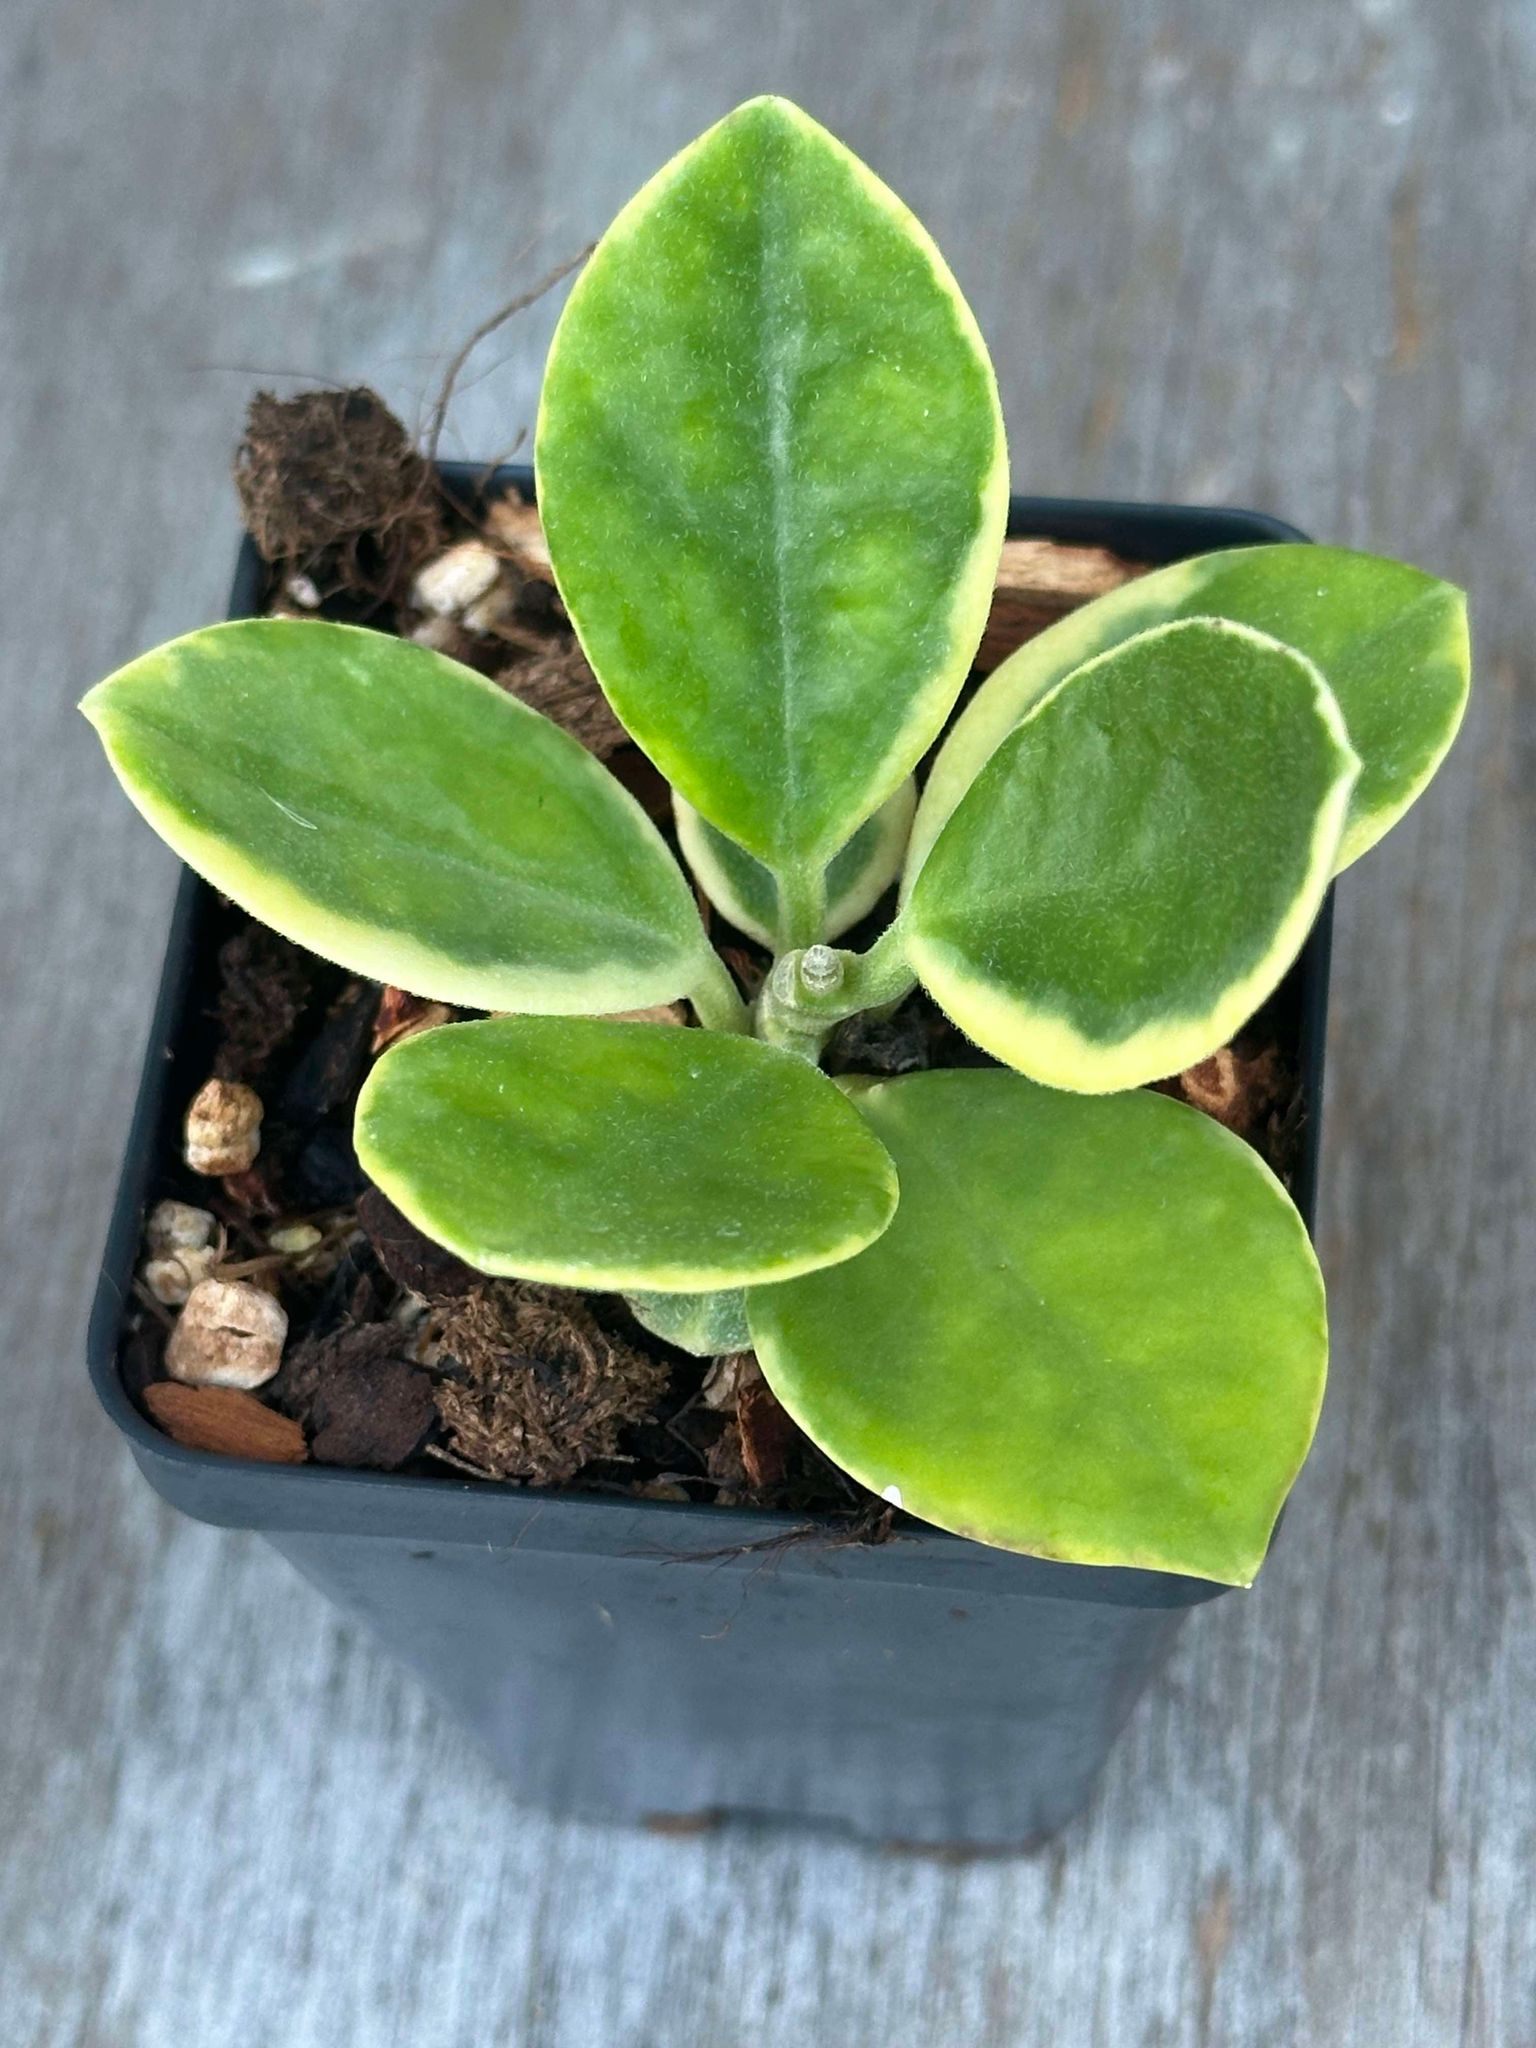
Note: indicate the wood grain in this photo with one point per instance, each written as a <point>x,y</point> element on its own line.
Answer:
<point>1279,256</point>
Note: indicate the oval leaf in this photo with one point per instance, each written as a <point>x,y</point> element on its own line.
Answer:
<point>393,811</point>
<point>1140,860</point>
<point>1095,1330</point>
<point>743,890</point>
<point>705,1324</point>
<point>1390,640</point>
<point>595,1154</point>
<point>773,481</point>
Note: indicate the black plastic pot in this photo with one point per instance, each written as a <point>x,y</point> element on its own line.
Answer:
<point>640,1659</point>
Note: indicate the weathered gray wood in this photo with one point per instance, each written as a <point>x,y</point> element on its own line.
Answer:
<point>1277,255</point>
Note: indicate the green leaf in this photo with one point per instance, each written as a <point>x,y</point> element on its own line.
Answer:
<point>1391,641</point>
<point>596,1154</point>
<point>394,811</point>
<point>1140,860</point>
<point>773,481</point>
<point>1094,1331</point>
<point>743,890</point>
<point>705,1324</point>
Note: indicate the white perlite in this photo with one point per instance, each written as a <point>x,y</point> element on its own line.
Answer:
<point>452,582</point>
<point>230,1334</point>
<point>176,1227</point>
<point>293,1240</point>
<point>171,1276</point>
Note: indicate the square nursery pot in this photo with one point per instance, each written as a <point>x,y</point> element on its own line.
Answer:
<point>642,1660</point>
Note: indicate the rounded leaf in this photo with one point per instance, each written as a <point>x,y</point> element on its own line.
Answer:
<point>393,811</point>
<point>743,890</point>
<point>705,1324</point>
<point>1095,1330</point>
<point>595,1154</point>
<point>1140,860</point>
<point>1390,640</point>
<point>773,481</point>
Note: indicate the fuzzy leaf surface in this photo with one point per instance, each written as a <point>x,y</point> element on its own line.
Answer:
<point>773,481</point>
<point>1390,640</point>
<point>1095,1330</point>
<point>396,812</point>
<point>596,1154</point>
<point>1140,860</point>
<point>705,1324</point>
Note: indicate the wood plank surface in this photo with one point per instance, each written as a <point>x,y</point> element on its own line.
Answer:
<point>1273,255</point>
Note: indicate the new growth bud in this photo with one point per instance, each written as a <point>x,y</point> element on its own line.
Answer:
<point>821,970</point>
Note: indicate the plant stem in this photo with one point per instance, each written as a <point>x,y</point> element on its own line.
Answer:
<point>776,1026</point>
<point>799,1011</point>
<point>717,1000</point>
<point>880,978</point>
<point>802,907</point>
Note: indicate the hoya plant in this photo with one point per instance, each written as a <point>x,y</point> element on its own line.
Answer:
<point>1034,1303</point>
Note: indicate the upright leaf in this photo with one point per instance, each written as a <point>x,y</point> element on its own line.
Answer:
<point>773,481</point>
<point>1140,860</point>
<point>1390,640</point>
<point>396,812</point>
<point>1094,1331</point>
<point>597,1154</point>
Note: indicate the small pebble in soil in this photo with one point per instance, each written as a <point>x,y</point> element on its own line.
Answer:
<point>488,614</point>
<point>454,580</point>
<point>515,528</point>
<point>171,1276</point>
<point>223,1129</point>
<point>441,635</point>
<point>176,1227</point>
<point>230,1334</point>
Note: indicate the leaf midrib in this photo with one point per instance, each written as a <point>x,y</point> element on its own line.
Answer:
<point>778,365</point>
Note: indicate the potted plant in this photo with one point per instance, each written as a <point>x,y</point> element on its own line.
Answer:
<point>1071,1327</point>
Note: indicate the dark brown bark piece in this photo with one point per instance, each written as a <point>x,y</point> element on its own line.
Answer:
<point>225,1420</point>
<point>769,1439</point>
<point>330,1070</point>
<point>326,1174</point>
<point>264,985</point>
<point>401,1015</point>
<point>1238,1090</point>
<point>362,1402</point>
<point>371,1411</point>
<point>1040,581</point>
<point>408,1255</point>
<point>723,1460</point>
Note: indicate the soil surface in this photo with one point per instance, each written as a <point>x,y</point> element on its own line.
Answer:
<point>396,1355</point>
